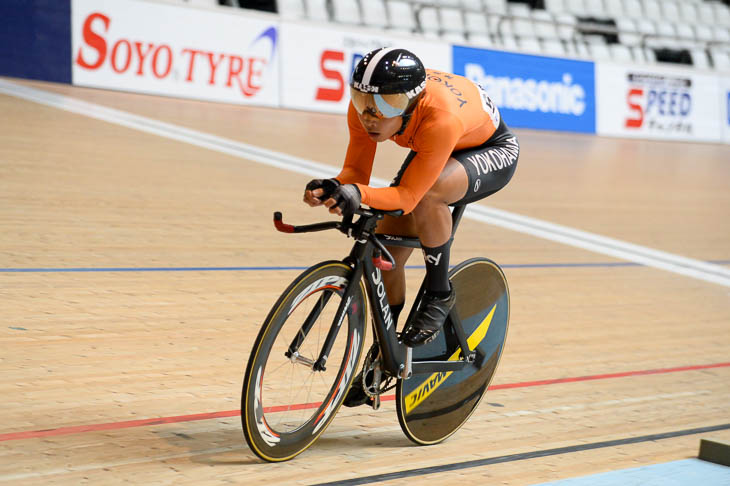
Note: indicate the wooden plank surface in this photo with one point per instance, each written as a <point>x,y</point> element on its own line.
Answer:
<point>88,356</point>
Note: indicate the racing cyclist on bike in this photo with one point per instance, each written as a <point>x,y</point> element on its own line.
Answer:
<point>461,151</point>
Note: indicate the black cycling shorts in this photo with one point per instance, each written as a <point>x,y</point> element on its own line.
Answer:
<point>489,166</point>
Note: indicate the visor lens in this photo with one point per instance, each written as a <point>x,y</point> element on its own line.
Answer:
<point>382,106</point>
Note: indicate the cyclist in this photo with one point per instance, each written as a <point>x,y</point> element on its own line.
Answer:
<point>461,151</point>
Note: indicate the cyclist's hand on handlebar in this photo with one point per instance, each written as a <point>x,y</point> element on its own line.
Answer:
<point>319,190</point>
<point>345,200</point>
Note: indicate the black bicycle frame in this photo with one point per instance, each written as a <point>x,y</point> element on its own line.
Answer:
<point>365,261</point>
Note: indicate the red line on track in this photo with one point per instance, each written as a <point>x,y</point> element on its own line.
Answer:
<point>31,434</point>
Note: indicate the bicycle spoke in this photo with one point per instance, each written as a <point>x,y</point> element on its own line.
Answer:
<point>281,382</point>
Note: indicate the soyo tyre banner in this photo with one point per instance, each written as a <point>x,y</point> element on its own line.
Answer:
<point>317,62</point>
<point>172,50</point>
<point>658,102</point>
<point>533,91</point>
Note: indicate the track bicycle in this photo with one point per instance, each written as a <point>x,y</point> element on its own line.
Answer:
<point>306,354</point>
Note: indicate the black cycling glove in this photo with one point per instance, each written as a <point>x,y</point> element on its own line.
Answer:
<point>328,186</point>
<point>348,198</point>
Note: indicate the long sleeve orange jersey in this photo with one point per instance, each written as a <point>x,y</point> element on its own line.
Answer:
<point>453,114</point>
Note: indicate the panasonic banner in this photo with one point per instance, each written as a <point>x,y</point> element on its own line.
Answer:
<point>533,91</point>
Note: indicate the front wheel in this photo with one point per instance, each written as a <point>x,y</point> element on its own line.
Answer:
<point>286,402</point>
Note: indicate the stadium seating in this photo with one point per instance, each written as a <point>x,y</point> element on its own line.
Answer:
<point>619,30</point>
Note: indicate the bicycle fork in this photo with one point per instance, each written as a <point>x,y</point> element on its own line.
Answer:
<point>320,363</point>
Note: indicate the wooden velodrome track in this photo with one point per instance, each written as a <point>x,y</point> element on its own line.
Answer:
<point>136,269</point>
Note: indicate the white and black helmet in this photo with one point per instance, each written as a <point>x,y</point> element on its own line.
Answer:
<point>387,82</point>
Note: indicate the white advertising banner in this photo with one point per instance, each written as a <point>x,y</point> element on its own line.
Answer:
<point>657,102</point>
<point>318,61</point>
<point>170,50</point>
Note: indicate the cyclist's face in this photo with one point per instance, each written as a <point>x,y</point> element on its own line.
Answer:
<point>379,129</point>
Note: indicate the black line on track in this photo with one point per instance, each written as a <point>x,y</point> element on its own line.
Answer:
<point>521,457</point>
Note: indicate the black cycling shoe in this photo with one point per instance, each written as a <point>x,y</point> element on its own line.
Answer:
<point>428,319</point>
<point>356,395</point>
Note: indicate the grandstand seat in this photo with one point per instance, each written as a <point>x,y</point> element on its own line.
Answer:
<point>621,53</point>
<point>628,32</point>
<point>400,16</point>
<point>518,9</point>
<point>428,21</point>
<point>374,14</point>
<point>598,51</point>
<point>721,34</point>
<point>652,10</point>
<point>475,24</point>
<point>566,26</point>
<point>667,34</point>
<point>544,24</point>
<point>686,34</point>
<point>706,13</point>
<point>452,25</point>
<point>614,9</point>
<point>554,47</point>
<point>508,42</point>
<point>633,9</point>
<point>688,12</point>
<point>576,7</point>
<point>646,27</point>
<point>504,26</point>
<point>722,14</point>
<point>595,8</point>
<point>317,10</point>
<point>346,12</point>
<point>523,27</point>
<point>480,40</point>
<point>581,49</point>
<point>703,33</point>
<point>650,55</point>
<point>720,59</point>
<point>472,5</point>
<point>530,45</point>
<point>495,6</point>
<point>670,11</point>
<point>448,3</point>
<point>290,9</point>
<point>638,54</point>
<point>555,6</point>
<point>700,59</point>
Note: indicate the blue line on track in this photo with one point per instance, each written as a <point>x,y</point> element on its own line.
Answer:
<point>264,269</point>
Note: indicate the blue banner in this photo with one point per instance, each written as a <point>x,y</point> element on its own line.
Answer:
<point>533,91</point>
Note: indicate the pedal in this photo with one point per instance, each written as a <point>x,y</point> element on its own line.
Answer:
<point>376,402</point>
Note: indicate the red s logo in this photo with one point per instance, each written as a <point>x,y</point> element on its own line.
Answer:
<point>633,99</point>
<point>331,94</point>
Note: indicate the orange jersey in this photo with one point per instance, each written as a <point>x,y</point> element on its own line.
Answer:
<point>453,114</point>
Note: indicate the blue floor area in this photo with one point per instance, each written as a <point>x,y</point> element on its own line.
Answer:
<point>688,472</point>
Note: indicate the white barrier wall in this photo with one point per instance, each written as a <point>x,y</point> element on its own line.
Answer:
<point>317,62</point>
<point>657,102</point>
<point>161,49</point>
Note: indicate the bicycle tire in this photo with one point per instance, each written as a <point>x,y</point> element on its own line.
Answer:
<point>433,406</point>
<point>285,404</point>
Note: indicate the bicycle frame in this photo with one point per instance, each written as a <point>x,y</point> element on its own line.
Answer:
<point>366,262</point>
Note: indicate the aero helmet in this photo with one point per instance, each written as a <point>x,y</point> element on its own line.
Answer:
<point>387,82</point>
